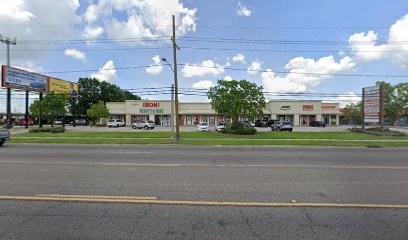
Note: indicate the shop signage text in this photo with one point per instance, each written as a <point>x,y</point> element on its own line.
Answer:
<point>285,108</point>
<point>151,110</point>
<point>371,104</point>
<point>307,107</point>
<point>151,104</point>
<point>329,107</point>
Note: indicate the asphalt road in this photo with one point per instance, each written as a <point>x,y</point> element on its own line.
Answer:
<point>180,192</point>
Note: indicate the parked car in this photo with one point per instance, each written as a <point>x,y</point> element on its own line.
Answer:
<point>116,123</point>
<point>146,124</point>
<point>81,122</point>
<point>317,124</point>
<point>4,136</point>
<point>282,126</point>
<point>23,122</point>
<point>271,122</point>
<point>203,127</point>
<point>220,126</point>
<point>261,123</point>
<point>248,124</point>
<point>58,122</point>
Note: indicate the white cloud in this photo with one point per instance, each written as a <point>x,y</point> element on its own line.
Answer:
<point>254,68</point>
<point>92,32</point>
<point>239,58</point>
<point>227,78</point>
<point>106,73</point>
<point>155,69</point>
<point>243,10</point>
<point>70,52</point>
<point>15,11</point>
<point>344,99</point>
<point>29,66</point>
<point>367,49</point>
<point>143,18</point>
<point>206,68</point>
<point>21,19</point>
<point>306,80</point>
<point>204,84</point>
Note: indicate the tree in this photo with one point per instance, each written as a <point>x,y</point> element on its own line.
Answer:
<point>97,111</point>
<point>92,91</point>
<point>353,112</point>
<point>237,99</point>
<point>52,106</point>
<point>395,100</point>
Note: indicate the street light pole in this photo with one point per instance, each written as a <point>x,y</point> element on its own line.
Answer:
<point>8,42</point>
<point>172,101</point>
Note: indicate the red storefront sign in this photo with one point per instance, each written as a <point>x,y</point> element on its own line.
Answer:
<point>151,104</point>
<point>329,107</point>
<point>307,107</point>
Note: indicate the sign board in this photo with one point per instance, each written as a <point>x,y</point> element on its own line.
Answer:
<point>307,107</point>
<point>371,104</point>
<point>60,86</point>
<point>328,106</point>
<point>20,79</point>
<point>285,108</point>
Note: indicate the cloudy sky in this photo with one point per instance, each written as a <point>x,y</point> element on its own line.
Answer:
<point>277,44</point>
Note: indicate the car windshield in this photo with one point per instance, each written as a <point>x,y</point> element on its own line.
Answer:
<point>150,121</point>
<point>204,124</point>
<point>287,123</point>
<point>111,120</point>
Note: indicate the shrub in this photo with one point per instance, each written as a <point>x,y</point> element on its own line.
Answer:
<point>47,130</point>
<point>244,131</point>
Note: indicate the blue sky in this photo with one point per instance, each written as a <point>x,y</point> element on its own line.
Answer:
<point>332,21</point>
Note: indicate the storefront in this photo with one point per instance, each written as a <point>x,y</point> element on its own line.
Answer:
<point>300,112</point>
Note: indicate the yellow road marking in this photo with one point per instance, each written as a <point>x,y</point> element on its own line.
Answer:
<point>213,165</point>
<point>204,203</point>
<point>95,196</point>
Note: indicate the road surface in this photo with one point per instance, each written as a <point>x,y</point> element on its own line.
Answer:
<point>202,192</point>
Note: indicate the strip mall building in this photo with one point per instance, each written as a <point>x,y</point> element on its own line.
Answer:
<point>300,112</point>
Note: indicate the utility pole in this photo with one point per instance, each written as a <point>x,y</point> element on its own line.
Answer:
<point>362,109</point>
<point>176,102</point>
<point>172,112</point>
<point>8,42</point>
<point>26,108</point>
<point>382,107</point>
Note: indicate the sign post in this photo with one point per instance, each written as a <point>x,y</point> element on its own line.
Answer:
<point>373,105</point>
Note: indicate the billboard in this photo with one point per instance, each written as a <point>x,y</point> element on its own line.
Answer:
<point>371,104</point>
<point>21,79</point>
<point>56,85</point>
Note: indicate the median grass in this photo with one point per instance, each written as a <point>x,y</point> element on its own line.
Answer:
<point>211,138</point>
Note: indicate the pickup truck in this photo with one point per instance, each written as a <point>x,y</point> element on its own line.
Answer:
<point>4,136</point>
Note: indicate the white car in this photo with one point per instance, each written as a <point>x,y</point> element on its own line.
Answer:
<point>203,127</point>
<point>116,123</point>
<point>220,126</point>
<point>143,124</point>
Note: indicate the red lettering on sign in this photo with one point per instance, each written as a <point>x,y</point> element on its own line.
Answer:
<point>307,107</point>
<point>329,107</point>
<point>151,105</point>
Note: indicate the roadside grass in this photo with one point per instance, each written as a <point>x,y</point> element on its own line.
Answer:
<point>209,142</point>
<point>215,135</point>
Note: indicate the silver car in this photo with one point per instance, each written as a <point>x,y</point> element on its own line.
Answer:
<point>146,124</point>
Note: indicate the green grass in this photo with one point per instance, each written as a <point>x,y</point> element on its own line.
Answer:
<point>214,135</point>
<point>211,138</point>
<point>206,142</point>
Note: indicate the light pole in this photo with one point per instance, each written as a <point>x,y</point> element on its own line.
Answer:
<point>8,41</point>
<point>172,102</point>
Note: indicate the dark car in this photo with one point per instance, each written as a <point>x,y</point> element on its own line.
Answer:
<point>317,124</point>
<point>261,123</point>
<point>271,122</point>
<point>81,122</point>
<point>282,126</point>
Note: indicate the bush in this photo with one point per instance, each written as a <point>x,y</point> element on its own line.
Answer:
<point>244,131</point>
<point>47,130</point>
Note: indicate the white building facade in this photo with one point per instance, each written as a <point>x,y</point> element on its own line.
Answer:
<point>300,112</point>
